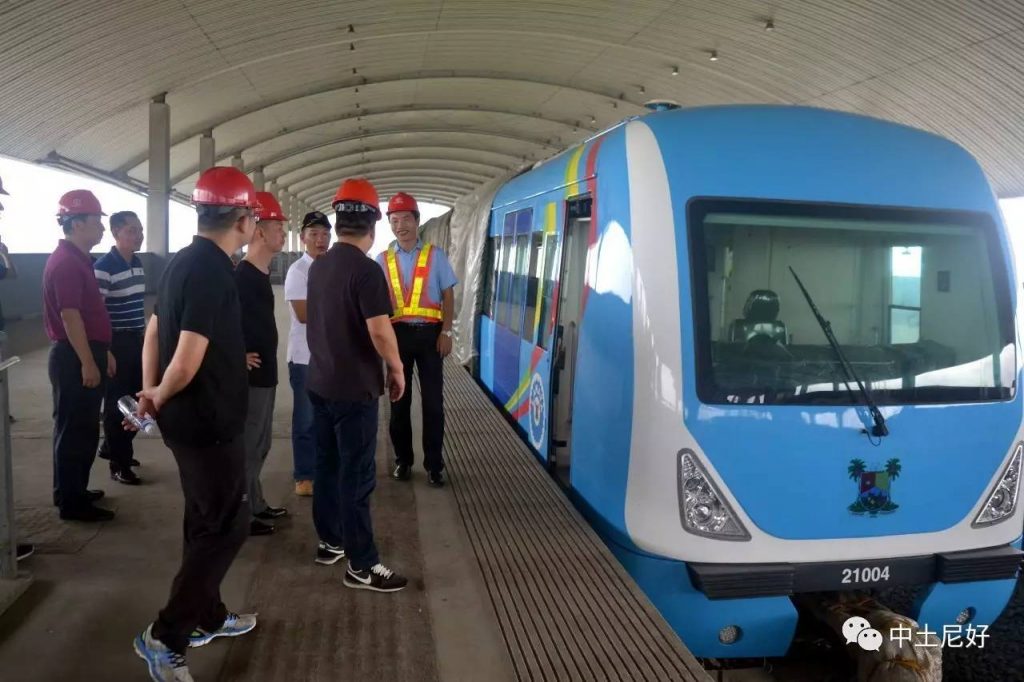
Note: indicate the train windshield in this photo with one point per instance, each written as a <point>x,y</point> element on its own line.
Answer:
<point>918,301</point>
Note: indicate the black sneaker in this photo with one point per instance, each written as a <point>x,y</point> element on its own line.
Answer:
<point>271,513</point>
<point>376,578</point>
<point>327,554</point>
<point>260,528</point>
<point>436,479</point>
<point>24,550</point>
<point>88,514</point>
<point>402,472</point>
<point>126,476</point>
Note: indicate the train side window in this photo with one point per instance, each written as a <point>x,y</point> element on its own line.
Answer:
<point>533,289</point>
<point>490,275</point>
<point>519,278</point>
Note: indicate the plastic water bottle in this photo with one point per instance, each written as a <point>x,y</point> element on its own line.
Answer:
<point>129,407</point>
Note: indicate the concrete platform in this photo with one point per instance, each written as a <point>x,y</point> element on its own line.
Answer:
<point>96,585</point>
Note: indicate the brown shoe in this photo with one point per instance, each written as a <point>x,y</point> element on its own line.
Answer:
<point>304,488</point>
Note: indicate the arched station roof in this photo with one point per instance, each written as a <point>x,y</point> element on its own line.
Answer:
<point>439,96</point>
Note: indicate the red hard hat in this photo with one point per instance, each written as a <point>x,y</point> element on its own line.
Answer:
<point>224,186</point>
<point>267,207</point>
<point>356,191</point>
<point>403,202</point>
<point>79,202</point>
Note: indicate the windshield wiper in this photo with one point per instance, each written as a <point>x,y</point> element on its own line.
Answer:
<point>879,429</point>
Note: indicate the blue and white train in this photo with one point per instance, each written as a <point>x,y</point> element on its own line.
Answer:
<point>644,324</point>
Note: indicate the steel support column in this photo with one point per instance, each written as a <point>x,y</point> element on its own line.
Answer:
<point>159,176</point>
<point>207,151</point>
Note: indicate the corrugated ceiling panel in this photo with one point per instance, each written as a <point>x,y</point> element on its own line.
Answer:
<point>252,72</point>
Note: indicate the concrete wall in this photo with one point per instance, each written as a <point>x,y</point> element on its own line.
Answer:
<point>22,297</point>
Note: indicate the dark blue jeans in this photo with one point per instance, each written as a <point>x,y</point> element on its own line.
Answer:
<point>346,445</point>
<point>303,435</point>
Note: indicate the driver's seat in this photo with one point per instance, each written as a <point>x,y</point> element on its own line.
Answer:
<point>759,313</point>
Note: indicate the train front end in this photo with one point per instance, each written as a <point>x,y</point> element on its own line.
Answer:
<point>824,374</point>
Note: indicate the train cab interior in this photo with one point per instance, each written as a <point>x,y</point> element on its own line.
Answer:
<point>917,319</point>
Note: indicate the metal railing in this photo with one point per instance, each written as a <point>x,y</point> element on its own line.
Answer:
<point>8,536</point>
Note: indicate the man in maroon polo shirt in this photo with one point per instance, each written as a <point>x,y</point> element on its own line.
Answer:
<point>78,324</point>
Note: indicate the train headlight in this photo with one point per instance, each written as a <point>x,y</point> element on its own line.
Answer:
<point>1002,501</point>
<point>702,507</point>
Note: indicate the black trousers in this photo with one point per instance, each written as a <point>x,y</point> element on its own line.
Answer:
<point>76,422</point>
<point>126,347</point>
<point>417,344</point>
<point>216,526</point>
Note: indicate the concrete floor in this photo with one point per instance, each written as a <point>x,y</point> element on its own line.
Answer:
<point>97,585</point>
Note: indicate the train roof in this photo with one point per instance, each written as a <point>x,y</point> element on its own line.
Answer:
<point>751,150</point>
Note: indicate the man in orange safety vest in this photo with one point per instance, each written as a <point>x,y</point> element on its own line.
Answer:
<point>422,286</point>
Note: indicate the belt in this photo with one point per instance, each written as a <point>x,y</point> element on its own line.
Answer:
<point>92,344</point>
<point>130,332</point>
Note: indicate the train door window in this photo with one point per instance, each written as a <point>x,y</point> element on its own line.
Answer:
<point>905,294</point>
<point>490,276</point>
<point>504,277</point>
<point>574,261</point>
<point>522,223</point>
<point>552,258</point>
<point>533,288</point>
<point>519,284</point>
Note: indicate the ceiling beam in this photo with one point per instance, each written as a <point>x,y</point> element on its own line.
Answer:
<point>426,132</point>
<point>510,160</point>
<point>366,170</point>
<point>423,181</point>
<point>339,165</point>
<point>356,81</point>
<point>542,144</point>
<point>423,191</point>
<point>358,115</point>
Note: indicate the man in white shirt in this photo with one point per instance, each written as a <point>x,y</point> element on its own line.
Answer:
<point>316,237</point>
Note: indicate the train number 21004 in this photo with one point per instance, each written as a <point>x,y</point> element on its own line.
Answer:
<point>874,574</point>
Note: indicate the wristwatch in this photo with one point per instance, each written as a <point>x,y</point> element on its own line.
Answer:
<point>447,332</point>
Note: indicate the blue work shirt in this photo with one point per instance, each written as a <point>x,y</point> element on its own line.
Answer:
<point>441,277</point>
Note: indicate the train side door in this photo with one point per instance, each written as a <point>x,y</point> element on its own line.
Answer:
<point>570,293</point>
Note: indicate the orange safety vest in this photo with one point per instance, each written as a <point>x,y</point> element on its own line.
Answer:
<point>414,306</point>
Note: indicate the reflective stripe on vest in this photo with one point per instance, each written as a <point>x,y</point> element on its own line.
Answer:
<point>409,308</point>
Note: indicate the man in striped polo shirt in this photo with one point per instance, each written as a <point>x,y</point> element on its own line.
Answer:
<point>123,286</point>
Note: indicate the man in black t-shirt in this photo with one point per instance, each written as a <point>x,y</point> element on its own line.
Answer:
<point>348,328</point>
<point>257,299</point>
<point>195,384</point>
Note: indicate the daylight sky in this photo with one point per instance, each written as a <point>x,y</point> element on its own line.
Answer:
<point>29,225</point>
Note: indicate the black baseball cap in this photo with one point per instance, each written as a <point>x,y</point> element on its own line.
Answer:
<point>315,218</point>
